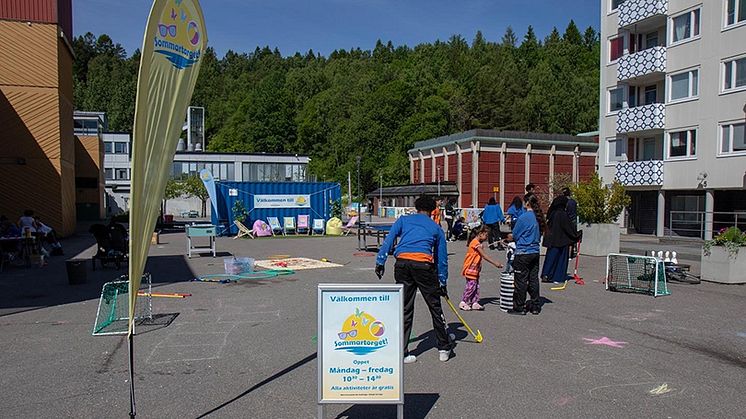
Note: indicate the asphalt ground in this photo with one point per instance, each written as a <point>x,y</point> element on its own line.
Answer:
<point>248,350</point>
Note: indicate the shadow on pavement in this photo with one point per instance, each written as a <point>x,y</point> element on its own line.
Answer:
<point>416,406</point>
<point>27,289</point>
<point>427,339</point>
<point>262,383</point>
<point>159,321</point>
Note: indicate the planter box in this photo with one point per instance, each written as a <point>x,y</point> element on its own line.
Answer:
<point>721,267</point>
<point>599,239</point>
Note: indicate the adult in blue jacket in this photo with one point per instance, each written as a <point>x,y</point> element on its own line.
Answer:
<point>492,217</point>
<point>421,264</point>
<point>526,234</point>
<point>515,210</point>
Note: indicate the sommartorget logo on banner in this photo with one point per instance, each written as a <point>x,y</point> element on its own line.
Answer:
<point>178,37</point>
<point>361,334</point>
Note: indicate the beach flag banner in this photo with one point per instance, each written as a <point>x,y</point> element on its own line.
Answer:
<point>174,42</point>
<point>209,183</point>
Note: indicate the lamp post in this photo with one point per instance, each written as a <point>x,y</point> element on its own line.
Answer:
<point>360,217</point>
<point>438,181</point>
<point>380,192</point>
<point>577,155</point>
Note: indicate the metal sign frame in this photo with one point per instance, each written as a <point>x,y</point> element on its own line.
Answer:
<point>322,290</point>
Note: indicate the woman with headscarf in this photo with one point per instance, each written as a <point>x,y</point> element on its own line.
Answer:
<point>560,235</point>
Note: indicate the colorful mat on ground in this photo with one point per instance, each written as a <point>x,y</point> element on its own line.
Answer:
<point>296,264</point>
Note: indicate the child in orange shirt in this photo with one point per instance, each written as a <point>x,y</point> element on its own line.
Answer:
<point>472,268</point>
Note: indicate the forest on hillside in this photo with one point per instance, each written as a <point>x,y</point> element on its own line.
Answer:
<point>375,104</point>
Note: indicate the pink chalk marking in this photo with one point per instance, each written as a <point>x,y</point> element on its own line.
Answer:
<point>605,341</point>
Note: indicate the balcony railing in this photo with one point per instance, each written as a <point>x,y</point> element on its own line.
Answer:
<point>642,63</point>
<point>641,118</point>
<point>634,11</point>
<point>640,173</point>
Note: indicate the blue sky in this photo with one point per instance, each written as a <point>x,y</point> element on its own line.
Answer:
<point>326,25</point>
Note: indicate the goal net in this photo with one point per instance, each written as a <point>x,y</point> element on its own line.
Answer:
<point>112,317</point>
<point>633,273</point>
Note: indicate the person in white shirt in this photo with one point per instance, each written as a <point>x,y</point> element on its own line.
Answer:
<point>27,222</point>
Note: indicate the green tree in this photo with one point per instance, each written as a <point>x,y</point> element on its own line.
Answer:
<point>599,203</point>
<point>194,187</point>
<point>174,189</point>
<point>374,103</point>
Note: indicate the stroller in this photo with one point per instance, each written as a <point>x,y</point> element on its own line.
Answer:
<point>112,246</point>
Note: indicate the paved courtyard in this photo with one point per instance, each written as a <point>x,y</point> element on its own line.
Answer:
<point>248,349</point>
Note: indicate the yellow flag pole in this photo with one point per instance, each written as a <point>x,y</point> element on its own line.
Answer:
<point>174,41</point>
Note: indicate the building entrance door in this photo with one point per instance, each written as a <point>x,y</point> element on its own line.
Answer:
<point>643,211</point>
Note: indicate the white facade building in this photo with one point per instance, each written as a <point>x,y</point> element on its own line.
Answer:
<point>116,171</point>
<point>672,112</point>
<point>259,167</point>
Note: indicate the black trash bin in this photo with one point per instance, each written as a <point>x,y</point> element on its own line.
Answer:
<point>76,272</point>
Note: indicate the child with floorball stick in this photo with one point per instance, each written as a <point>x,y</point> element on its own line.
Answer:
<point>473,267</point>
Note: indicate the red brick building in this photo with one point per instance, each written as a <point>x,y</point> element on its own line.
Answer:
<point>486,163</point>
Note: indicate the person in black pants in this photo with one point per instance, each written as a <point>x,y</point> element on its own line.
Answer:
<point>526,234</point>
<point>450,217</point>
<point>560,236</point>
<point>421,264</point>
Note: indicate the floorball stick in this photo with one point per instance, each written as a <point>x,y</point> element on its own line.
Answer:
<point>478,335</point>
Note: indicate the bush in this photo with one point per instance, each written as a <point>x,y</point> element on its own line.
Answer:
<point>336,209</point>
<point>239,211</point>
<point>598,203</point>
<point>731,238</point>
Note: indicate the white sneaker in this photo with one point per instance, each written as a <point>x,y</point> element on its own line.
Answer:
<point>444,355</point>
<point>410,359</point>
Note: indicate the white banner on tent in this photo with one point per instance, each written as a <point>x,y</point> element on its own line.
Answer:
<point>282,201</point>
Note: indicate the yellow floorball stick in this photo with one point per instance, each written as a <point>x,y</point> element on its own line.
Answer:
<point>143,294</point>
<point>478,335</point>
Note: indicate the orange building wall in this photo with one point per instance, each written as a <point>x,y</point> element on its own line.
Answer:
<point>36,124</point>
<point>89,157</point>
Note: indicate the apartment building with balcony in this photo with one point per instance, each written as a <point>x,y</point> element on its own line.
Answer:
<point>673,112</point>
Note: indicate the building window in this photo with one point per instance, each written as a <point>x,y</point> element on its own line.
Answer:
<point>733,138</point>
<point>684,85</point>
<point>616,150</point>
<point>616,99</point>
<point>651,40</point>
<point>735,12</point>
<point>109,174</point>
<point>616,48</point>
<point>120,148</point>
<point>86,126</point>
<point>108,147</point>
<point>615,4</point>
<point>651,94</point>
<point>122,174</point>
<point>685,26</point>
<point>682,144</point>
<point>734,74</point>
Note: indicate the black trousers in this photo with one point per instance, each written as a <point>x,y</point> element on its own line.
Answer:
<point>526,271</point>
<point>494,232</point>
<point>450,227</point>
<point>423,276</point>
